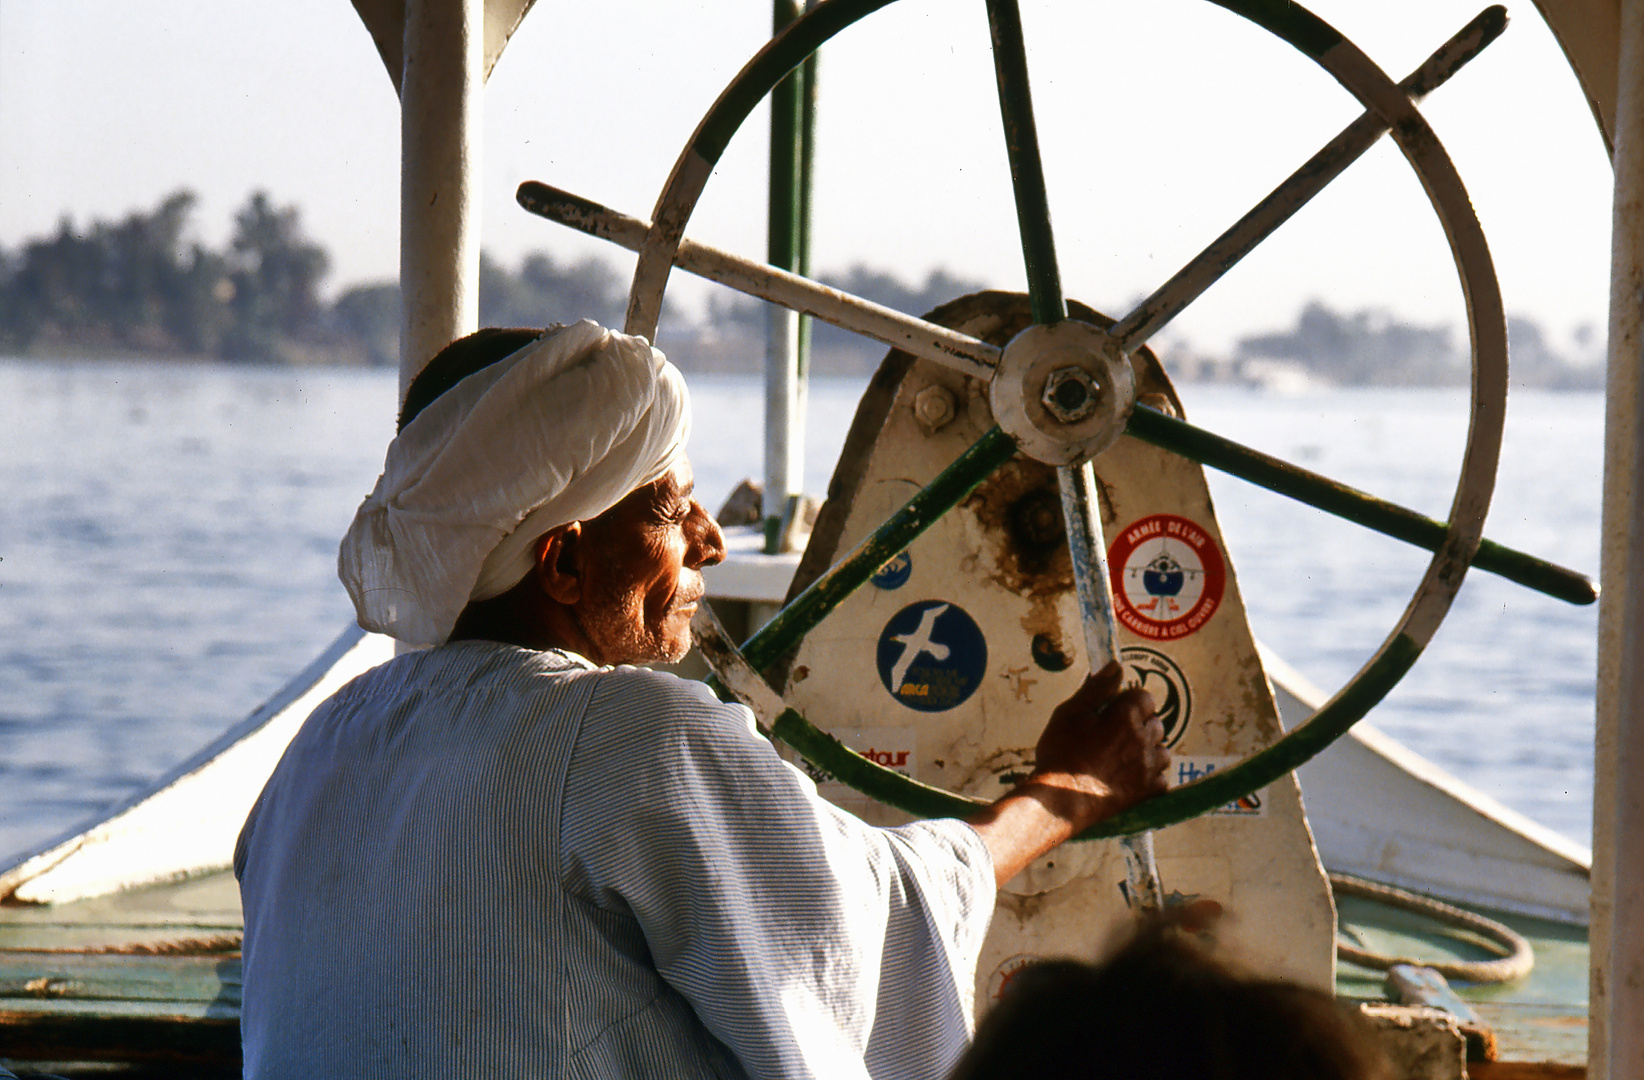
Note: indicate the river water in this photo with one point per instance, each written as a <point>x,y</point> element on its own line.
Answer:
<point>168,550</point>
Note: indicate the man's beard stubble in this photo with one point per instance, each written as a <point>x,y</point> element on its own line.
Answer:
<point>613,621</point>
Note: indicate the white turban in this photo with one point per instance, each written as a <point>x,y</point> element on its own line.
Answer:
<point>559,431</point>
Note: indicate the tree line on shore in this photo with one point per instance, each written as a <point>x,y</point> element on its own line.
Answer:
<point>142,286</point>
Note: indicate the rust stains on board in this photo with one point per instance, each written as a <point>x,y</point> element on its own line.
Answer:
<point>1019,510</point>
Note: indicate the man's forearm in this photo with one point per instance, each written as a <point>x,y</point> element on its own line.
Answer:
<point>1038,814</point>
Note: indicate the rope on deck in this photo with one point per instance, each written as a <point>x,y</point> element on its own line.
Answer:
<point>216,945</point>
<point>1515,962</point>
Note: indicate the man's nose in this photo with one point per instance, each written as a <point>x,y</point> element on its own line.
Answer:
<point>707,541</point>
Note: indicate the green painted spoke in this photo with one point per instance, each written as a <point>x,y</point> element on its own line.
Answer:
<point>1322,493</point>
<point>897,531</point>
<point>1027,171</point>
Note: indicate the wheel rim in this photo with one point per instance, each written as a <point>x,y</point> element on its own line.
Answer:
<point>1434,593</point>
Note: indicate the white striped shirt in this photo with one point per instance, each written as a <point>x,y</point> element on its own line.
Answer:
<point>483,861</point>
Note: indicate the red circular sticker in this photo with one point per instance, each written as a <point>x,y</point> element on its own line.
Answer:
<point>1167,576</point>
<point>999,981</point>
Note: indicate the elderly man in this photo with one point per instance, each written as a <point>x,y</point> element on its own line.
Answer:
<point>505,857</point>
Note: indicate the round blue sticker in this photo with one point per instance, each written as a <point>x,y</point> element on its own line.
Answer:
<point>932,655</point>
<point>894,574</point>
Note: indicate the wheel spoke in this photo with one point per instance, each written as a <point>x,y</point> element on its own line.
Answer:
<point>1027,169</point>
<point>899,530</point>
<point>1088,553</point>
<point>888,326</point>
<point>1049,306</point>
<point>1322,493</point>
<point>1208,267</point>
<point>732,672</point>
<point>971,356</point>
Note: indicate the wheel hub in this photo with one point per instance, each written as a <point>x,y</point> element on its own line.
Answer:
<point>1064,391</point>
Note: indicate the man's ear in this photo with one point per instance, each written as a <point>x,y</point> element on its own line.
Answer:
<point>559,562</point>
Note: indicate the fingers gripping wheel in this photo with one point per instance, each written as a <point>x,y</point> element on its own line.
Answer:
<point>1063,391</point>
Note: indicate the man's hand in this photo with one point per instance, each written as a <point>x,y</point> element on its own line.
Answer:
<point>1103,745</point>
<point>1102,752</point>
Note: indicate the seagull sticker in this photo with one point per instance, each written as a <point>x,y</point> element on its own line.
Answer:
<point>917,644</point>
<point>931,656</point>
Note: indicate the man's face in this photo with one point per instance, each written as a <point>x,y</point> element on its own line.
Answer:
<point>641,566</point>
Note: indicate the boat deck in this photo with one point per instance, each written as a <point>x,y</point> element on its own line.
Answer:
<point>1540,1018</point>
<point>152,977</point>
<point>148,977</point>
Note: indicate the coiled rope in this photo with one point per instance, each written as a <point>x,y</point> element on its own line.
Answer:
<point>1515,962</point>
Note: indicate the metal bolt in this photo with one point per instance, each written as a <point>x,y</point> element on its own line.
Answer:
<point>933,407</point>
<point>1070,394</point>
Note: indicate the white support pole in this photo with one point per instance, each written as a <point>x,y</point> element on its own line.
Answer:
<point>441,88</point>
<point>784,416</point>
<point>1616,1034</point>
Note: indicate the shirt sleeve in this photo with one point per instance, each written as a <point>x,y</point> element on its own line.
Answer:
<point>808,942</point>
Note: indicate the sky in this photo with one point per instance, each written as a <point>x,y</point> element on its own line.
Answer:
<point>1161,123</point>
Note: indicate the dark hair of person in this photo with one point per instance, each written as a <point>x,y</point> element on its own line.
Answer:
<point>1162,1007</point>
<point>460,359</point>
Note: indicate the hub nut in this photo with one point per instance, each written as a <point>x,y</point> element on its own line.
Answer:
<point>1071,394</point>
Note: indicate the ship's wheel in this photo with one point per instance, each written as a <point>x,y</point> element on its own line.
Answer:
<point>1062,390</point>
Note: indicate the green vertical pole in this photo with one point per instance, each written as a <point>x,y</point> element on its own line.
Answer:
<point>802,261</point>
<point>787,336</point>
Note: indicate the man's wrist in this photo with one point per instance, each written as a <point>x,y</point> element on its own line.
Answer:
<point>1078,799</point>
<point>1039,813</point>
